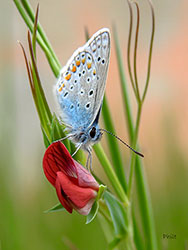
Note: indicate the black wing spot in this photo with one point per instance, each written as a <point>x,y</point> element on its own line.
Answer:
<point>90,92</point>
<point>82,92</point>
<point>72,106</point>
<point>103,61</point>
<point>66,93</point>
<point>87,105</point>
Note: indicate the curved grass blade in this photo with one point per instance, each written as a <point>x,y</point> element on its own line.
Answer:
<point>125,95</point>
<point>31,14</point>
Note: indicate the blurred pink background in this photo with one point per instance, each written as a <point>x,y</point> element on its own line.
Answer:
<point>165,114</point>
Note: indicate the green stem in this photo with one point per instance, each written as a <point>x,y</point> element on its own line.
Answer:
<point>104,211</point>
<point>142,189</point>
<point>129,47</point>
<point>113,145</point>
<point>135,52</point>
<point>145,207</point>
<point>41,41</point>
<point>31,14</point>
<point>150,51</point>
<point>125,95</point>
<point>134,143</point>
<point>111,174</point>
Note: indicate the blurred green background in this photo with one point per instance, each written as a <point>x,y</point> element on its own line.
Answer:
<point>24,191</point>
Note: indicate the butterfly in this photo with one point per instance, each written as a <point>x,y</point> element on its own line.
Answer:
<point>80,89</point>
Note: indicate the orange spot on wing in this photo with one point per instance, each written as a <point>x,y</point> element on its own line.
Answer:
<point>60,89</point>
<point>74,69</point>
<point>78,63</point>
<point>94,72</point>
<point>83,60</point>
<point>89,65</point>
<point>68,77</point>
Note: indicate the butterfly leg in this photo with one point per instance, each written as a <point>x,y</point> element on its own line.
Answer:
<point>62,139</point>
<point>89,160</point>
<point>79,146</point>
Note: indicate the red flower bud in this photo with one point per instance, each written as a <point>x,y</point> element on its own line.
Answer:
<point>76,188</point>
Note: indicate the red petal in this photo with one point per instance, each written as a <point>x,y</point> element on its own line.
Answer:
<point>57,158</point>
<point>86,209</point>
<point>85,179</point>
<point>79,196</point>
<point>61,197</point>
<point>63,159</point>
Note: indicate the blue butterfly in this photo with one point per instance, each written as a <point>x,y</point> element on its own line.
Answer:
<point>80,90</point>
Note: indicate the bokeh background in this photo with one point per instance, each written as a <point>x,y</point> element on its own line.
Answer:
<point>24,191</point>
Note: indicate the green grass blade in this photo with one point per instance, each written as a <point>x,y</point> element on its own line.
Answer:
<point>145,206</point>
<point>113,145</point>
<point>137,235</point>
<point>30,24</point>
<point>143,193</point>
<point>31,14</point>
<point>126,102</point>
<point>39,90</point>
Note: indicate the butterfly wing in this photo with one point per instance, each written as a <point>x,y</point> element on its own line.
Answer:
<point>99,47</point>
<point>80,87</point>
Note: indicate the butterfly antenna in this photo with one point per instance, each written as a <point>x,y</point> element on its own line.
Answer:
<point>136,152</point>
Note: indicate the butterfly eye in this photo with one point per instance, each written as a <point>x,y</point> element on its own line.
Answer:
<point>92,132</point>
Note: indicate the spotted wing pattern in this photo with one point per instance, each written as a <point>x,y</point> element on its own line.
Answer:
<point>80,87</point>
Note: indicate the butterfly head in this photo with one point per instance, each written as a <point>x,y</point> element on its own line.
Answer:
<point>87,137</point>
